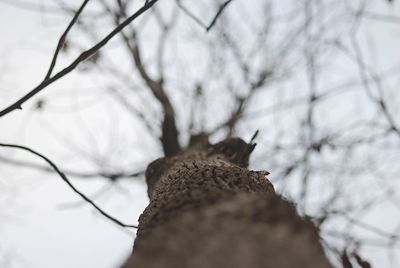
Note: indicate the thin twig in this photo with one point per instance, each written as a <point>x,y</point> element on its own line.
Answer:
<point>62,39</point>
<point>220,10</point>
<point>66,180</point>
<point>170,134</point>
<point>73,173</point>
<point>83,56</point>
<point>198,20</point>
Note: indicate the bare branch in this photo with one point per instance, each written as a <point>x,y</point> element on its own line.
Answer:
<point>219,12</point>
<point>73,173</point>
<point>66,180</point>
<point>379,100</point>
<point>169,138</point>
<point>62,39</point>
<point>199,21</point>
<point>83,56</point>
<point>242,102</point>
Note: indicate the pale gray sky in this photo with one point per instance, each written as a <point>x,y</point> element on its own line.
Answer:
<point>44,224</point>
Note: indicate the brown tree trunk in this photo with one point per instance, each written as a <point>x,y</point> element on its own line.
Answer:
<point>208,210</point>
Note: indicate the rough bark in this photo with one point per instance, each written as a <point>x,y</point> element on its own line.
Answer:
<point>208,210</point>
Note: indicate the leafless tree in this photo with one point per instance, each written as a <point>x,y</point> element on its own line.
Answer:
<point>302,73</point>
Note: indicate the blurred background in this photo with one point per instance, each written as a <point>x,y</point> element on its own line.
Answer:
<point>318,79</point>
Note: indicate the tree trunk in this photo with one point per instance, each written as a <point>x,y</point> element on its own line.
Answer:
<point>208,210</point>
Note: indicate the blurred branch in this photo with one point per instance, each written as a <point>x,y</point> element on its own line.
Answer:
<point>66,180</point>
<point>199,21</point>
<point>362,262</point>
<point>26,5</point>
<point>169,137</point>
<point>381,17</point>
<point>166,30</point>
<point>379,100</point>
<point>83,56</point>
<point>241,102</point>
<point>133,110</point>
<point>77,174</point>
<point>62,39</point>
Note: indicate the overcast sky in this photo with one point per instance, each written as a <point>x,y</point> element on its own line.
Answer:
<point>43,223</point>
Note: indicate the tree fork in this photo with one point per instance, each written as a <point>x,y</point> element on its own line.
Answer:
<point>208,210</point>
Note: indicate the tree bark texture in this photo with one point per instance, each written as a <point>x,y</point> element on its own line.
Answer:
<point>208,210</point>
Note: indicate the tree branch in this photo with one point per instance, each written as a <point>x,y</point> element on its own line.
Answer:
<point>66,180</point>
<point>169,138</point>
<point>73,173</point>
<point>63,38</point>
<point>199,21</point>
<point>83,56</point>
